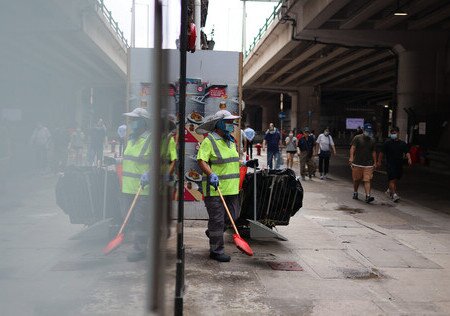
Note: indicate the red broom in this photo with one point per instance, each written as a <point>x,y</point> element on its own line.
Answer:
<point>117,241</point>
<point>240,243</point>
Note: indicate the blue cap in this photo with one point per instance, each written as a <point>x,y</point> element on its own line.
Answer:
<point>368,127</point>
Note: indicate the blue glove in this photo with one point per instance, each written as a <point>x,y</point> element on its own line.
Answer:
<point>214,180</point>
<point>145,179</point>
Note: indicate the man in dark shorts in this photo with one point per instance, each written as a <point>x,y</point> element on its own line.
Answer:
<point>394,149</point>
<point>362,160</point>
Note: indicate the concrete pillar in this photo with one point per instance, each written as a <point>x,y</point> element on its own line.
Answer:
<point>309,108</point>
<point>294,110</point>
<point>408,88</point>
<point>270,111</point>
<point>416,86</point>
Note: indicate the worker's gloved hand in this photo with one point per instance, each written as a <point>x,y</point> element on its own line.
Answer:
<point>214,180</point>
<point>254,163</point>
<point>145,179</point>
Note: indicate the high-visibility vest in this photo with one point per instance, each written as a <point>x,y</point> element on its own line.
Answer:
<point>136,160</point>
<point>224,161</point>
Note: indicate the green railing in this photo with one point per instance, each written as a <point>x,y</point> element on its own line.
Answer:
<point>263,29</point>
<point>100,6</point>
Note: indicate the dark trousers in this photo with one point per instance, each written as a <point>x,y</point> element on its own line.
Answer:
<point>250,148</point>
<point>218,217</point>
<point>324,164</point>
<point>95,153</point>
<point>139,221</point>
<point>121,146</point>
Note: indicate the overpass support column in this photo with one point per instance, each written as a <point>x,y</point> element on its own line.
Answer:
<point>408,88</point>
<point>294,110</point>
<point>270,115</point>
<point>309,107</point>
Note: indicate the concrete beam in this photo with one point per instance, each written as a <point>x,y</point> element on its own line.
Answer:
<point>314,65</point>
<point>411,9</point>
<point>317,12</point>
<point>272,87</point>
<point>359,75</point>
<point>372,8</point>
<point>378,38</point>
<point>353,67</point>
<point>291,64</point>
<point>428,20</point>
<point>383,76</point>
<point>333,66</point>
<point>271,49</point>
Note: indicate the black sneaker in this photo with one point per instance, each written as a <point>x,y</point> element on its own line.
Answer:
<point>136,256</point>
<point>221,257</point>
<point>369,199</point>
<point>355,195</point>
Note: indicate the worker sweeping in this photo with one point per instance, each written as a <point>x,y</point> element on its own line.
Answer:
<point>136,159</point>
<point>218,158</point>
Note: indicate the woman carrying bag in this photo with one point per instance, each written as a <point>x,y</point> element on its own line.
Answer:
<point>325,144</point>
<point>291,149</point>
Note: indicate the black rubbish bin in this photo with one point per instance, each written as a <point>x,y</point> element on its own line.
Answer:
<point>279,196</point>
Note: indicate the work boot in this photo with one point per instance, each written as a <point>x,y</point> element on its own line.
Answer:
<point>136,256</point>
<point>221,257</point>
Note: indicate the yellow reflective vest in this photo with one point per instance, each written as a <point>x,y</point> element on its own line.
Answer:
<point>136,160</point>
<point>223,159</point>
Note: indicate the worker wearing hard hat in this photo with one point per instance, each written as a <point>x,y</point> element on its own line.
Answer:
<point>218,158</point>
<point>136,160</point>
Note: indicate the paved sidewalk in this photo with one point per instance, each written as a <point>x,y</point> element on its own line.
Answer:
<point>357,259</point>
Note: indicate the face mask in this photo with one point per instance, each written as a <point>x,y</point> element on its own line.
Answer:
<point>229,128</point>
<point>326,133</point>
<point>366,133</point>
<point>291,135</point>
<point>393,136</point>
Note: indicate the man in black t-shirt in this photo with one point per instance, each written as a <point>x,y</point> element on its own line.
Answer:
<point>394,149</point>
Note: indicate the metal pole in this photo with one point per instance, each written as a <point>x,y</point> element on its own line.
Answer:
<point>133,23</point>
<point>244,26</point>
<point>157,211</point>
<point>179,288</point>
<point>198,23</point>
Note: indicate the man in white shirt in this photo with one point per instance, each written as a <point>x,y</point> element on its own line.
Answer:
<point>325,144</point>
<point>249,134</point>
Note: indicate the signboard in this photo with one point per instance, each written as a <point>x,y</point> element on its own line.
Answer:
<point>422,128</point>
<point>354,123</point>
<point>282,116</point>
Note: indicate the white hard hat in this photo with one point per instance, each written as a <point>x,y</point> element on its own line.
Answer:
<point>211,121</point>
<point>138,112</point>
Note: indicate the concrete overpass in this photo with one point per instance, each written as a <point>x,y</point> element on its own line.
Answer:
<point>354,58</point>
<point>63,62</point>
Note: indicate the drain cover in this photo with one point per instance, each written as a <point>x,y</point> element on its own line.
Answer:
<point>285,266</point>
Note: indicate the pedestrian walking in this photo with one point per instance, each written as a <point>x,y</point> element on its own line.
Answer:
<point>306,146</point>
<point>291,149</point>
<point>135,166</point>
<point>97,136</point>
<point>122,133</point>
<point>325,145</point>
<point>249,134</point>
<point>40,141</point>
<point>272,140</point>
<point>218,158</point>
<point>394,151</point>
<point>363,161</point>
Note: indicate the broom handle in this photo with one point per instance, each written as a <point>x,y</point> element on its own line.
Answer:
<point>228,211</point>
<point>125,222</point>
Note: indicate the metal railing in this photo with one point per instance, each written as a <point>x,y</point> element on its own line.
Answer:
<point>263,29</point>
<point>100,6</point>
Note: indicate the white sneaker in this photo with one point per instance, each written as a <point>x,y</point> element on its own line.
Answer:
<point>325,176</point>
<point>388,193</point>
<point>395,197</point>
